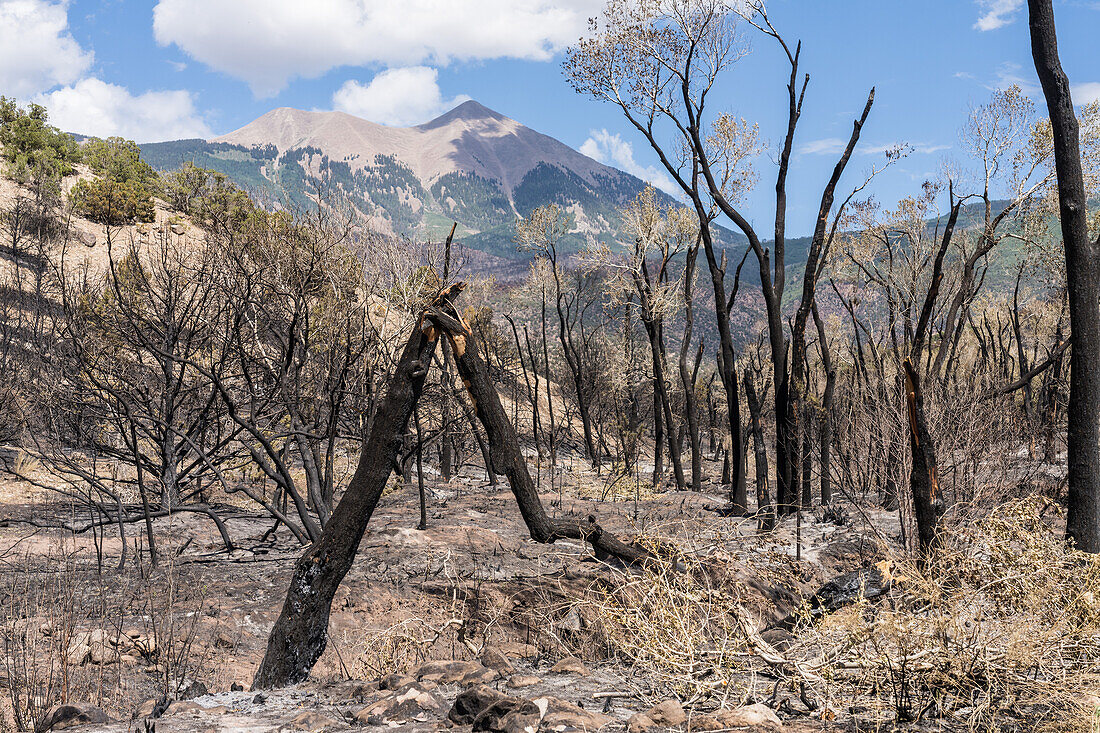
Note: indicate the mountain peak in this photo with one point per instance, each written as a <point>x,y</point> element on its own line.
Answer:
<point>469,111</point>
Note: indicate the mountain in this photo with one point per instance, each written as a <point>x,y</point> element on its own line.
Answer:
<point>471,165</point>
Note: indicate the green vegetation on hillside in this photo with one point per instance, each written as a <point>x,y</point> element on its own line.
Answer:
<point>35,153</point>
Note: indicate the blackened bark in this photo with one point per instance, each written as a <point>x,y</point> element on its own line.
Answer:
<point>765,512</point>
<point>826,445</point>
<point>922,478</point>
<point>1083,281</point>
<point>300,634</point>
<point>509,459</point>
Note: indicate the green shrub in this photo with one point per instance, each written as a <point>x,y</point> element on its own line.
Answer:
<point>113,202</point>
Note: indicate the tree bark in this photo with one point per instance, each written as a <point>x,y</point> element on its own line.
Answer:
<point>300,634</point>
<point>922,478</point>
<point>1083,281</point>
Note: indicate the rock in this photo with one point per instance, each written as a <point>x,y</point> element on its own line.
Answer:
<point>179,707</point>
<point>571,665</point>
<point>355,690</point>
<point>563,715</point>
<point>667,714</point>
<point>310,721</point>
<point>88,239</point>
<point>485,709</point>
<point>145,709</point>
<point>395,682</point>
<point>704,722</point>
<point>193,690</point>
<point>178,229</point>
<point>750,715</point>
<point>516,650</point>
<point>640,723</point>
<point>414,703</point>
<point>236,686</point>
<point>493,658</point>
<point>70,716</point>
<point>470,703</point>
<point>522,680</point>
<point>780,639</point>
<point>451,671</point>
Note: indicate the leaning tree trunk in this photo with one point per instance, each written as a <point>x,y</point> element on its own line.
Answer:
<point>507,456</point>
<point>300,634</point>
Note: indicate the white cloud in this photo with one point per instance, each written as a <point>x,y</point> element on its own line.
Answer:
<point>398,97</point>
<point>1086,92</point>
<point>998,13</point>
<point>94,107</point>
<point>268,42</point>
<point>922,148</point>
<point>37,51</point>
<point>610,149</point>
<point>1008,74</point>
<point>824,146</point>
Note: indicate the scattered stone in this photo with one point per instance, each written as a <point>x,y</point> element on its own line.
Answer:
<point>88,239</point>
<point>559,715</point>
<point>493,658</point>
<point>309,720</point>
<point>70,716</point>
<point>640,723</point>
<point>413,704</point>
<point>178,229</point>
<point>571,665</point>
<point>260,699</point>
<point>236,686</point>
<point>750,715</point>
<point>667,714</point>
<point>522,680</point>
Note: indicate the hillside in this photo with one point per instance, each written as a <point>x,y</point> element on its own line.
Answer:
<point>471,165</point>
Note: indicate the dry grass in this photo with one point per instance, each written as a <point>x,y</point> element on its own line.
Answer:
<point>999,631</point>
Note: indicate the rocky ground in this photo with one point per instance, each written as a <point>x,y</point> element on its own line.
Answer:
<point>466,623</point>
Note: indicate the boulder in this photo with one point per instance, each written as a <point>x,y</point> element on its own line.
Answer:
<point>488,710</point>
<point>560,715</point>
<point>522,680</point>
<point>493,658</point>
<point>667,714</point>
<point>454,670</point>
<point>750,715</point>
<point>70,716</point>
<point>310,720</point>
<point>414,703</point>
<point>571,665</point>
<point>640,723</point>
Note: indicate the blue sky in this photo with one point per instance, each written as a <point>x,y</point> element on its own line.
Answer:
<point>196,68</point>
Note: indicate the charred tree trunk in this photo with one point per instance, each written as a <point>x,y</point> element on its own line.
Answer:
<point>922,478</point>
<point>300,634</point>
<point>765,512</point>
<point>508,458</point>
<point>1083,281</point>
